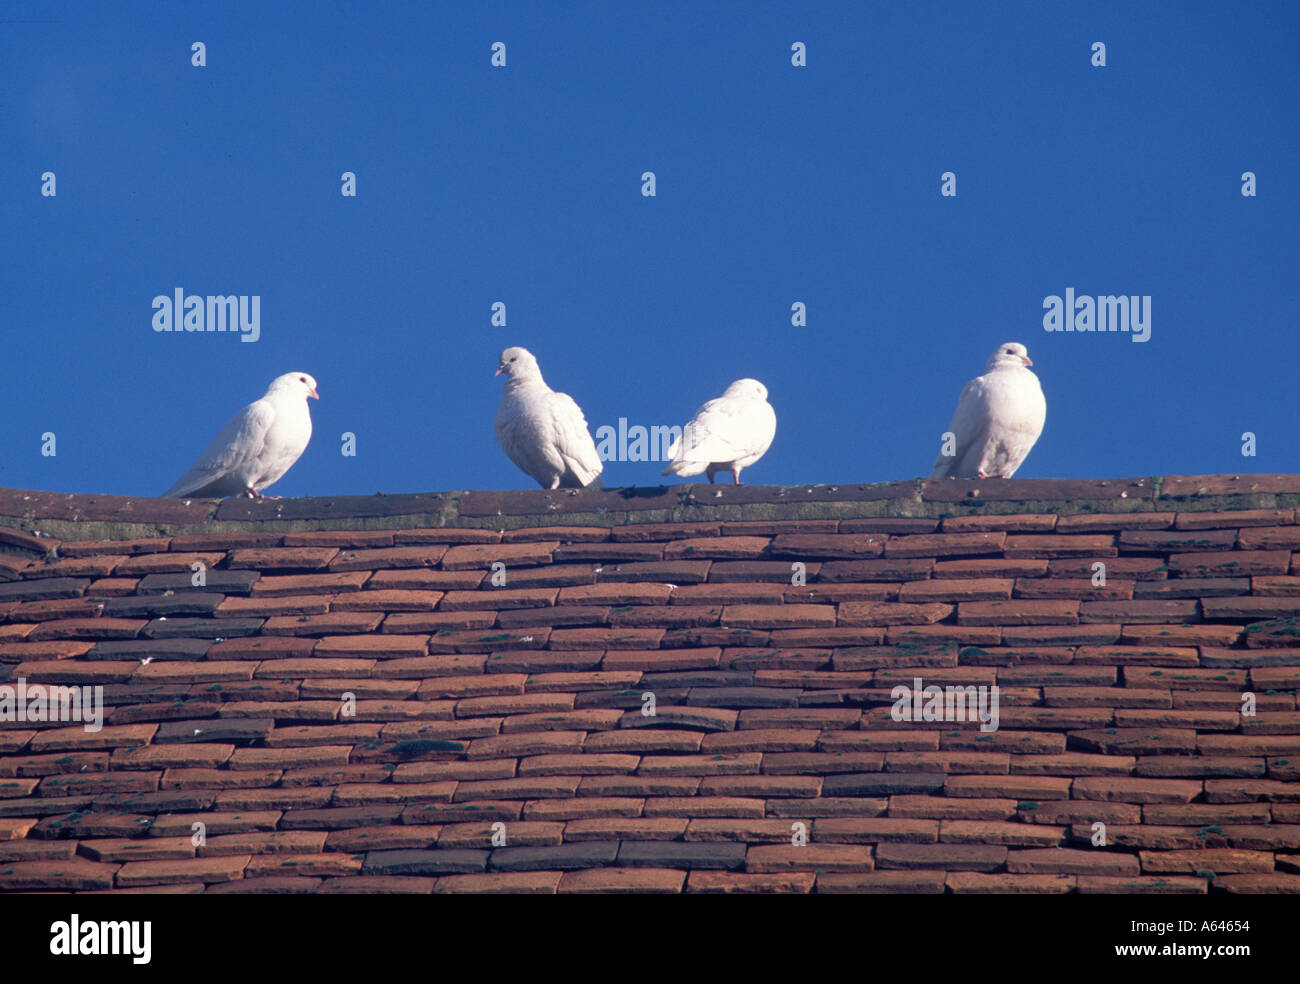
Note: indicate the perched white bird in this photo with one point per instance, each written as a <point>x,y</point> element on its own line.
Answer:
<point>257,446</point>
<point>999,417</point>
<point>542,431</point>
<point>726,434</point>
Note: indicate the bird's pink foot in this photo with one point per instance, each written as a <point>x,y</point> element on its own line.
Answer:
<point>980,474</point>
<point>735,476</point>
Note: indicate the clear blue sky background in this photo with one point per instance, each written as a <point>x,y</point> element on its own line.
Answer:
<point>775,184</point>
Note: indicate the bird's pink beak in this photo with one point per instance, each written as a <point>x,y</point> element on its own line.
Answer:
<point>313,394</point>
<point>500,370</point>
<point>1028,361</point>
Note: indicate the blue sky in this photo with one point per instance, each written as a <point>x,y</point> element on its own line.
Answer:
<point>522,184</point>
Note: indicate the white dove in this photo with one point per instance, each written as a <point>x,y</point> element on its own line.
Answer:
<point>258,444</point>
<point>999,417</point>
<point>726,434</point>
<point>542,431</point>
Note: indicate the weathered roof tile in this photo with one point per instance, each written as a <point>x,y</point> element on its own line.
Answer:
<point>354,705</point>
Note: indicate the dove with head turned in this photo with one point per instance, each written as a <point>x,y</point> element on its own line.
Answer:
<point>726,434</point>
<point>999,417</point>
<point>257,445</point>
<point>542,431</point>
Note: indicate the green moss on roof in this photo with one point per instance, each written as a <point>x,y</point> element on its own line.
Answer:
<point>692,504</point>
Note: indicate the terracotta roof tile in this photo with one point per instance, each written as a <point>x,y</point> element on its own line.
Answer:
<point>949,857</point>
<point>87,628</point>
<point>1096,522</point>
<point>162,563</point>
<point>42,589</point>
<point>23,540</point>
<point>1234,518</point>
<point>882,883</point>
<point>585,808</point>
<point>778,617</point>
<point>540,661</point>
<point>354,709</point>
<point>484,556</point>
<point>446,639</point>
<point>446,535</point>
<point>58,875</point>
<point>900,569</point>
<point>720,548</point>
<point>422,579</point>
<point>941,545</point>
<point>617,881</point>
<point>512,883</point>
<point>615,594</point>
<point>704,806</point>
<point>1018,612</point>
<point>390,557</point>
<point>446,624</point>
<point>565,615</point>
<point>78,566</point>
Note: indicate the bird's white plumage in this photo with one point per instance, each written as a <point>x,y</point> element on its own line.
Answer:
<point>999,417</point>
<point>542,431</point>
<point>726,434</point>
<point>258,444</point>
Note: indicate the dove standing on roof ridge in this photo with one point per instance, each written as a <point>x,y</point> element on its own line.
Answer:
<point>726,434</point>
<point>542,431</point>
<point>257,445</point>
<point>999,417</point>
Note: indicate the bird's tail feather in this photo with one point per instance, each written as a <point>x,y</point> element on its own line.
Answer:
<point>683,467</point>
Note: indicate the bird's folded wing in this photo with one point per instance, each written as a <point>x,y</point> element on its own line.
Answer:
<point>970,426</point>
<point>521,446</point>
<point>722,430</point>
<point>572,439</point>
<point>238,443</point>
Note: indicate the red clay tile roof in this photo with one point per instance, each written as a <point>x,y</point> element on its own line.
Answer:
<point>353,703</point>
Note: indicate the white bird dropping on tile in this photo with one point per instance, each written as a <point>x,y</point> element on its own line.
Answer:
<point>542,431</point>
<point>999,417</point>
<point>726,434</point>
<point>257,445</point>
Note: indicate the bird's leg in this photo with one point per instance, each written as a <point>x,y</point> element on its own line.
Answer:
<point>253,493</point>
<point>735,476</point>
